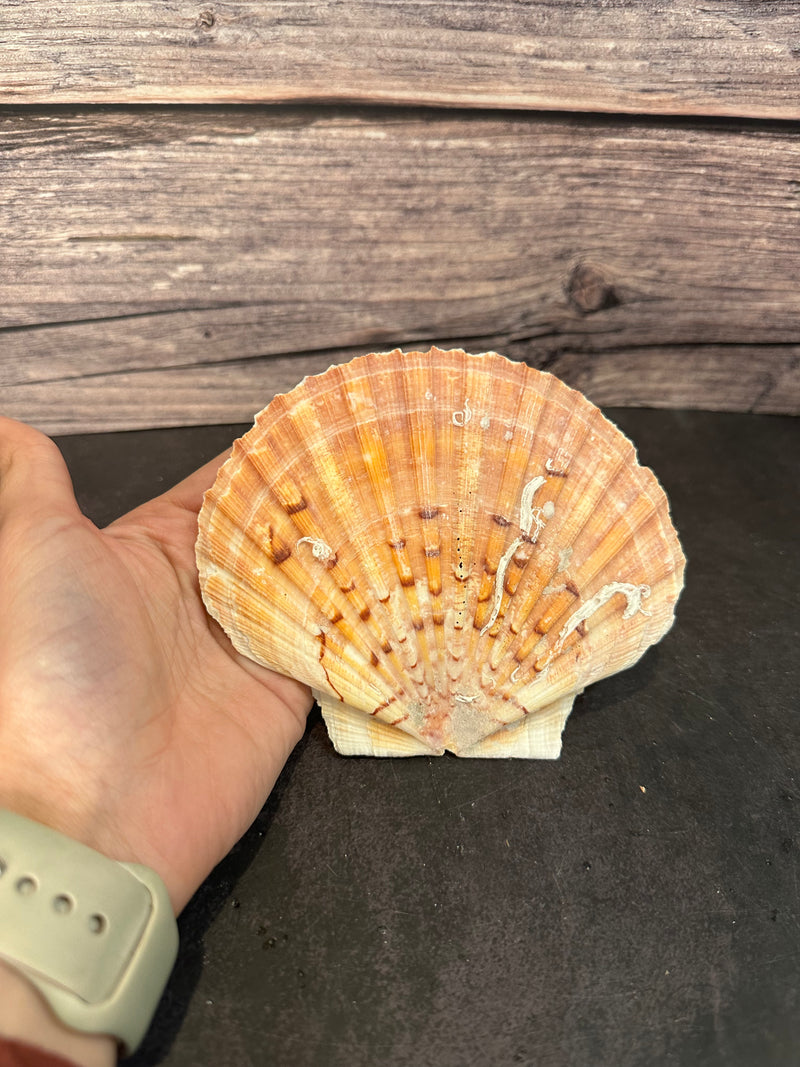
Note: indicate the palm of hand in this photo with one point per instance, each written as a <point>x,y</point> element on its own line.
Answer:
<point>126,717</point>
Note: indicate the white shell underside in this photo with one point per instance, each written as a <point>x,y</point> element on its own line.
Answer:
<point>537,736</point>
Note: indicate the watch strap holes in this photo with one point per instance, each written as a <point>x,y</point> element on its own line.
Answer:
<point>97,923</point>
<point>27,886</point>
<point>63,904</point>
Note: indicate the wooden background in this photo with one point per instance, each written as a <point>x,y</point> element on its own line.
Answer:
<point>201,203</point>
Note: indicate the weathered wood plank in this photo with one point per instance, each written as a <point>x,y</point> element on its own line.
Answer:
<point>737,378</point>
<point>151,241</point>
<point>729,58</point>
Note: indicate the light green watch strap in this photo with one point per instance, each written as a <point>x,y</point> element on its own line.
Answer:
<point>96,937</point>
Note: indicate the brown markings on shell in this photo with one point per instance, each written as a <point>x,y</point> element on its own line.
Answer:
<point>571,587</point>
<point>514,573</point>
<point>278,550</point>
<point>296,506</point>
<point>404,572</point>
<point>322,646</point>
<point>509,699</point>
<point>429,511</point>
<point>384,705</point>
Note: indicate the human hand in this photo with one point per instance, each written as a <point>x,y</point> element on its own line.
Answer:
<point>127,720</point>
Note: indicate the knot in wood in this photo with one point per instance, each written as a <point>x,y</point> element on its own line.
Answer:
<point>588,290</point>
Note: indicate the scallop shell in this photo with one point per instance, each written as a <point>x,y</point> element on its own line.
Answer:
<point>446,547</point>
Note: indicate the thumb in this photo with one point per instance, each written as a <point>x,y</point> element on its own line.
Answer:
<point>34,480</point>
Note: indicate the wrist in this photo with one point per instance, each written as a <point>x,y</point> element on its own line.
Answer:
<point>90,824</point>
<point>95,937</point>
<point>25,1016</point>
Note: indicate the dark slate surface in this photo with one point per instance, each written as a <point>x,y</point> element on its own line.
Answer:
<point>634,903</point>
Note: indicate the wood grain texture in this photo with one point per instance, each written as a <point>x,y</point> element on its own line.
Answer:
<point>159,266</point>
<point>730,58</point>
<point>766,381</point>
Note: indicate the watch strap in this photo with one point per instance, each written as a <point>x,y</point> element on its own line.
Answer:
<point>96,937</point>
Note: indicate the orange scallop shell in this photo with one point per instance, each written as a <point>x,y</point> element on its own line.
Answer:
<point>446,547</point>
